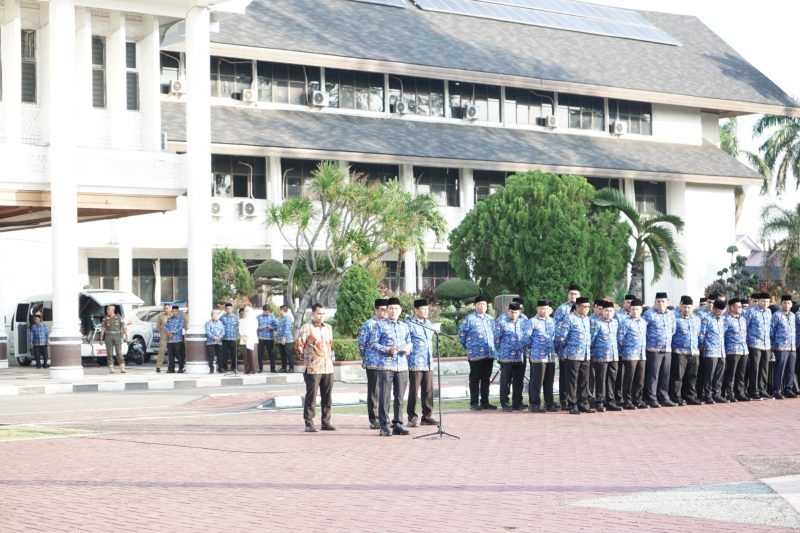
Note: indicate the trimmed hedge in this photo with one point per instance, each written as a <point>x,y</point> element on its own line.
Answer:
<point>347,349</point>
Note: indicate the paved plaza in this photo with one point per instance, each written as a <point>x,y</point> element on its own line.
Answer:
<point>214,462</point>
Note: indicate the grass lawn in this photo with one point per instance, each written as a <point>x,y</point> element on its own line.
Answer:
<point>36,432</point>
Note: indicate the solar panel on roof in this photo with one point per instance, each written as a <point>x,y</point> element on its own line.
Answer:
<point>603,22</point>
<point>391,3</point>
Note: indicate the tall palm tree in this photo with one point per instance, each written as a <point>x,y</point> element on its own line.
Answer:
<point>780,152</point>
<point>653,237</point>
<point>729,143</point>
<point>783,223</point>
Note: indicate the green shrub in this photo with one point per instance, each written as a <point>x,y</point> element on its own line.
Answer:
<point>356,302</point>
<point>449,347</point>
<point>457,290</point>
<point>346,349</point>
<point>449,326</point>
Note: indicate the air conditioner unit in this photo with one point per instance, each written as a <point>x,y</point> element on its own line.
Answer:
<point>247,209</point>
<point>470,112</point>
<point>318,99</point>
<point>401,108</point>
<point>175,87</point>
<point>549,121</point>
<point>216,209</point>
<point>619,128</point>
<point>248,96</point>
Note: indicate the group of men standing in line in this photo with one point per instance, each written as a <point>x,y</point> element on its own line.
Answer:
<point>729,351</point>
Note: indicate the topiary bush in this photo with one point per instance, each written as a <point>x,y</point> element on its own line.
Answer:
<point>356,302</point>
<point>346,349</point>
<point>457,290</point>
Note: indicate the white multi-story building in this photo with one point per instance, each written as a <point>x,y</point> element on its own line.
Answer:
<point>448,97</point>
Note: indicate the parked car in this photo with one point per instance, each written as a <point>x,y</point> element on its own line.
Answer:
<point>143,330</point>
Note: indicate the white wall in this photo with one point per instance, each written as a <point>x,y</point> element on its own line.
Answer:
<point>675,124</point>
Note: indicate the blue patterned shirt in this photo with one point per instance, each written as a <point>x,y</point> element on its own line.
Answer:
<point>620,315</point>
<point>422,355</point>
<point>712,335</point>
<point>231,325</point>
<point>175,326</point>
<point>735,335</point>
<point>476,334</point>
<point>782,331</point>
<point>286,328</point>
<point>385,336</point>
<point>562,312</point>
<point>632,339</point>
<point>660,329</point>
<point>266,326</point>
<point>540,340</point>
<point>686,340</point>
<point>604,340</point>
<point>364,332</point>
<point>510,339</point>
<point>758,323</point>
<point>38,334</point>
<point>573,338</point>
<point>214,331</point>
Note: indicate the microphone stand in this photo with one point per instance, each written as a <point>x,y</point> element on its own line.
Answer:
<point>440,428</point>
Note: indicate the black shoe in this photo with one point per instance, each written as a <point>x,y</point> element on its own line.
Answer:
<point>681,402</point>
<point>732,399</point>
<point>290,371</point>
<point>158,369</point>
<point>586,409</point>
<point>669,403</point>
<point>412,422</point>
<point>742,399</point>
<point>38,366</point>
<point>327,426</point>
<point>789,394</point>
<point>613,407</point>
<point>653,405</point>
<point>536,409</point>
<point>400,430</point>
<point>553,408</point>
<point>428,421</point>
<point>171,371</point>
<point>489,407</point>
<point>765,395</point>
<point>710,401</point>
<point>600,409</point>
<point>311,428</point>
<point>778,396</point>
<point>629,406</point>
<point>574,410</point>
<point>210,370</point>
<point>282,370</point>
<point>374,425</point>
<point>46,365</point>
<point>272,369</point>
<point>642,405</point>
<point>507,409</point>
<point>720,399</point>
<point>385,432</point>
<point>694,401</point>
<point>475,407</point>
<point>181,371</point>
<point>520,407</point>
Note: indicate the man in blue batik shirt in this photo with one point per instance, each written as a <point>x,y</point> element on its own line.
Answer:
<point>660,329</point>
<point>420,377</point>
<point>685,355</point>
<point>735,353</point>
<point>542,357</point>
<point>632,343</point>
<point>712,352</point>
<point>476,334</point>
<point>214,331</point>
<point>573,343</point>
<point>605,356</point>
<point>38,338</point>
<point>783,337</point>
<point>230,322</point>
<point>563,311</point>
<point>758,345</point>
<point>368,361</point>
<point>510,338</point>
<point>267,325</point>
<point>286,339</point>
<point>175,348</point>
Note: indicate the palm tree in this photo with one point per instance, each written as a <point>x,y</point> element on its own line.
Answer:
<point>786,224</point>
<point>780,152</point>
<point>729,143</point>
<point>653,237</point>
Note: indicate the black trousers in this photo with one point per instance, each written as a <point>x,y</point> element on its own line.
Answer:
<point>287,357</point>
<point>605,379</point>
<point>323,382</point>
<point>633,384</point>
<point>684,376</point>
<point>228,353</point>
<point>757,367</point>
<point>577,382</point>
<point>542,376</point>
<point>784,375</point>
<point>735,371</point>
<point>562,386</point>
<point>175,353</point>
<point>480,376</point>
<point>657,376</point>
<point>39,353</point>
<point>619,384</point>
<point>268,346</point>
<point>710,368</point>
<point>512,376</point>
<point>718,377</point>
<point>213,351</point>
<point>392,382</point>
<point>420,381</point>
<point>373,384</point>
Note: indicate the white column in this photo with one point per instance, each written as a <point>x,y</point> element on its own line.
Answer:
<point>116,89</point>
<point>12,70</point>
<point>467,189</point>
<point>125,254</point>
<point>410,278</point>
<point>274,193</point>
<point>198,164</point>
<point>149,84</point>
<point>157,284</point>
<point>65,340</point>
<point>83,67</point>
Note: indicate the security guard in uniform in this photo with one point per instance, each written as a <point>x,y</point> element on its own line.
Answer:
<point>166,312</point>
<point>113,332</point>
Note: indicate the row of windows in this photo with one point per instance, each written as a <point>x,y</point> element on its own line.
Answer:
<point>433,274</point>
<point>104,274</point>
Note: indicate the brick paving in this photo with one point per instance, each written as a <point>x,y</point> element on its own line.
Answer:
<point>218,465</point>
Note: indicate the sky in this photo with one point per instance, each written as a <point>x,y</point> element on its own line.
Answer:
<point>764,33</point>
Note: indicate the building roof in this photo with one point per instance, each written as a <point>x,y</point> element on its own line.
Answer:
<point>324,135</point>
<point>703,71</point>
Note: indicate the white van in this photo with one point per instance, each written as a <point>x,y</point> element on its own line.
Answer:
<point>92,305</point>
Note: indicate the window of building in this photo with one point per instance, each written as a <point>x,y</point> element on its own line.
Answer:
<point>604,183</point>
<point>131,77</point>
<point>442,183</point>
<point>29,66</point>
<point>170,69</point>
<point>296,174</point>
<point>349,89</point>
<point>104,273</point>
<point>390,281</point>
<point>174,280</point>
<point>239,176</point>
<point>98,72</point>
<point>581,112</point>
<point>486,98</point>
<point>487,182</point>
<point>423,96</point>
<point>230,76</point>
<point>280,83</point>
<point>144,280</point>
<point>637,116</point>
<point>371,173</point>
<point>525,107</point>
<point>436,273</point>
<point>651,197</point>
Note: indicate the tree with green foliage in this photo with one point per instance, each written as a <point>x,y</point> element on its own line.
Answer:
<point>783,227</point>
<point>456,290</point>
<point>355,304</point>
<point>729,143</point>
<point>780,152</point>
<point>734,280</point>
<point>231,279</point>
<point>537,235</point>
<point>653,239</point>
<point>271,275</point>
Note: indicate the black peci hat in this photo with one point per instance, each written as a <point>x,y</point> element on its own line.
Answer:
<point>393,301</point>
<point>542,303</point>
<point>719,304</point>
<point>420,303</point>
<point>637,302</point>
<point>605,305</point>
<point>686,300</point>
<point>574,287</point>
<point>582,300</point>
<point>660,295</point>
<point>786,298</point>
<point>479,299</point>
<point>629,297</point>
<point>514,306</point>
